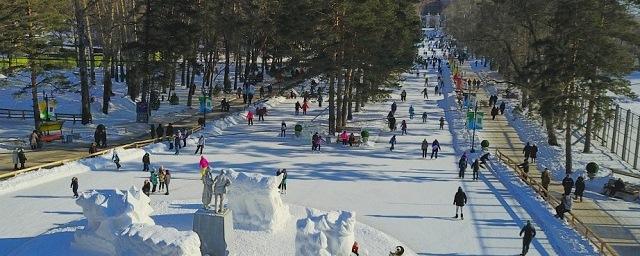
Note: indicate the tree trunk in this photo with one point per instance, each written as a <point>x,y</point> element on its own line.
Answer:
<point>339,100</point>
<point>183,67</point>
<point>106,80</point>
<point>552,139</point>
<point>238,61</point>
<point>348,97</point>
<point>332,104</point>
<point>92,60</point>
<point>589,128</point>
<point>227,53</point>
<point>84,84</point>
<point>34,93</point>
<point>567,146</point>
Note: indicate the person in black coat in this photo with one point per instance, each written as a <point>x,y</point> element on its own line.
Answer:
<point>503,106</point>
<point>475,166</point>
<point>462,166</point>
<point>579,188</point>
<point>618,185</point>
<point>494,113</point>
<point>567,184</point>
<point>459,200</point>
<point>22,158</point>
<point>146,187</point>
<point>527,151</point>
<point>529,233</point>
<point>534,153</point>
<point>74,186</point>
<point>169,131</point>
<point>159,131</point>
<point>153,131</point>
<point>525,166</point>
<point>145,162</point>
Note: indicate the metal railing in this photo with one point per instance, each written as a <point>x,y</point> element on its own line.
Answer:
<point>576,223</point>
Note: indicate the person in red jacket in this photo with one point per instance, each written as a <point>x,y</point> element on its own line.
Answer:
<point>305,106</point>
<point>344,137</point>
<point>250,117</point>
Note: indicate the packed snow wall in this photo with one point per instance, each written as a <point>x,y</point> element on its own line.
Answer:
<point>256,202</point>
<point>331,233</point>
<point>118,223</point>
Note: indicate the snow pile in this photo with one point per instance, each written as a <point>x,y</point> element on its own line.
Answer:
<point>331,233</point>
<point>255,202</point>
<point>119,224</point>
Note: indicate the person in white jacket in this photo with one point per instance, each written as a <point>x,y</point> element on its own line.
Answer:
<point>200,145</point>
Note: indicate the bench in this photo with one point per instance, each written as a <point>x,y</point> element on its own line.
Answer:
<point>356,133</point>
<point>630,193</point>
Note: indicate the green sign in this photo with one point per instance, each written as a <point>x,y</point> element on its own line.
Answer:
<point>475,123</point>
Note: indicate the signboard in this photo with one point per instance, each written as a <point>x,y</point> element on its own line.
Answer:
<point>475,123</point>
<point>142,112</point>
<point>47,109</point>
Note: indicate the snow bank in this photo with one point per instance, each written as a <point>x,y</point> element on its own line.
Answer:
<point>118,223</point>
<point>330,233</point>
<point>255,202</point>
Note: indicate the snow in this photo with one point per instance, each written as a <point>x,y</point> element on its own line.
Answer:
<point>330,233</point>
<point>256,202</point>
<point>118,223</point>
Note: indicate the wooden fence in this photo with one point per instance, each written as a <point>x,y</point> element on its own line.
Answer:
<point>579,225</point>
<point>24,114</point>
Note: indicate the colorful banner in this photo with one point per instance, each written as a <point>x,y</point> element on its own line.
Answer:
<point>475,122</point>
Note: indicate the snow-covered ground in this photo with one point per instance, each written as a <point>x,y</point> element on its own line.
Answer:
<point>396,193</point>
<point>633,104</point>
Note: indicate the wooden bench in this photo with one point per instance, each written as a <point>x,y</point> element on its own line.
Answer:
<point>630,193</point>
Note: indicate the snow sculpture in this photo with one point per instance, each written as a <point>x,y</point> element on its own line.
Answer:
<point>118,223</point>
<point>332,232</point>
<point>255,202</point>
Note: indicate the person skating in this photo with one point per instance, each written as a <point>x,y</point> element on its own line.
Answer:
<point>176,140</point>
<point>435,148</point>
<point>441,123</point>
<point>283,184</point>
<point>344,137</point>
<point>534,153</point>
<point>459,200</point>
<point>320,100</point>
<point>145,162</point>
<point>14,159</point>
<point>298,106</point>
<point>411,112</point>
<point>167,180</point>
<point>475,166</point>
<point>527,151</point>
<point>567,184</point>
<point>392,141</point>
<point>184,137</point>
<point>74,186</point>
<point>250,117</point>
<point>529,233</point>
<point>153,131</point>
<point>305,107</point>
<point>159,132</point>
<point>116,159</point>
<point>403,96</point>
<point>200,147</point>
<point>494,113</point>
<point>146,187</point>
<point>425,95</point>
<point>546,179</point>
<point>566,203</point>
<point>283,129</point>
<point>22,158</point>
<point>462,166</point>
<point>403,126</point>
<point>394,107</point>
<point>424,117</point>
<point>161,175</point>
<point>425,148</point>
<point>503,106</point>
<point>154,180</point>
<point>580,186</point>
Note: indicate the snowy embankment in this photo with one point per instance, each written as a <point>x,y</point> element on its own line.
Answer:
<point>566,240</point>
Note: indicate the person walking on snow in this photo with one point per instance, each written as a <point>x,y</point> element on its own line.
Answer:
<point>424,117</point>
<point>250,117</point>
<point>392,141</point>
<point>462,166</point>
<point>527,151</point>
<point>441,123</point>
<point>494,113</point>
<point>161,175</point>
<point>176,141</point>
<point>459,200</point>
<point>74,186</point>
<point>159,132</point>
<point>344,137</point>
<point>529,233</point>
<point>305,106</point>
<point>298,106</point>
<point>203,164</point>
<point>403,126</point>
<point>145,162</point>
<point>425,148</point>
<point>283,129</point>
<point>565,206</point>
<point>403,96</point>
<point>546,179</point>
<point>411,112</point>
<point>116,159</point>
<point>475,166</point>
<point>525,167</point>
<point>394,107</point>
<point>22,158</point>
<point>352,139</point>
<point>580,186</point>
<point>167,180</point>
<point>534,153</point>
<point>567,184</point>
<point>200,147</point>
<point>435,147</point>
<point>503,106</point>
<point>425,94</point>
<point>153,132</point>
<point>154,180</point>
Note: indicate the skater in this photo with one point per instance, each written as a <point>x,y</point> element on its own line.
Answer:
<point>145,162</point>
<point>435,147</point>
<point>154,180</point>
<point>283,184</point>
<point>403,96</point>
<point>161,175</point>
<point>527,151</point>
<point>459,200</point>
<point>441,123</point>
<point>200,147</point>
<point>305,106</point>
<point>425,148</point>
<point>411,112</point>
<point>475,166</point>
<point>424,117</point>
<point>146,187</point>
<point>344,137</point>
<point>403,126</point>
<point>579,188</point>
<point>529,233</point>
<point>392,123</point>
<point>159,132</point>
<point>320,100</point>
<point>392,141</point>
<point>298,106</point>
<point>22,158</point>
<point>546,179</point>
<point>394,107</point>
<point>176,140</point>
<point>116,159</point>
<point>567,184</point>
<point>494,113</point>
<point>261,112</point>
<point>74,186</point>
<point>352,139</point>
<point>462,166</point>
<point>283,129</point>
<point>503,106</point>
<point>534,153</point>
<point>565,206</point>
<point>436,89</point>
<point>184,136</point>
<point>424,93</point>
<point>250,117</point>
<point>167,180</point>
<point>14,159</point>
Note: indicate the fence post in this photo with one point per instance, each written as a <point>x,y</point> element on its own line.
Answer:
<point>627,121</point>
<point>635,159</point>
<point>603,142</point>
<point>615,129</point>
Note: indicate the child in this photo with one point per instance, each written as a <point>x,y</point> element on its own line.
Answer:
<point>146,187</point>
<point>74,186</point>
<point>392,141</point>
<point>116,159</point>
